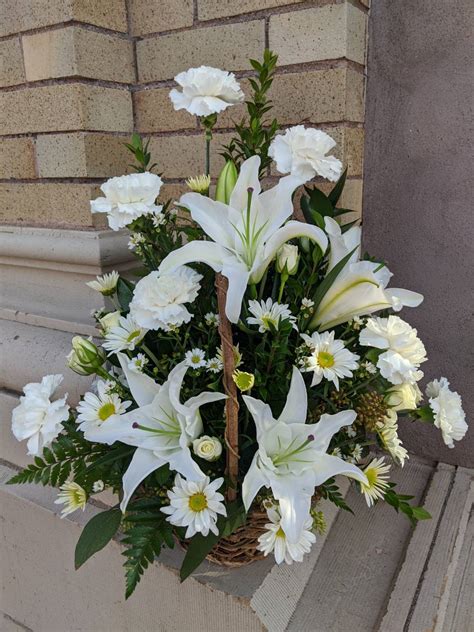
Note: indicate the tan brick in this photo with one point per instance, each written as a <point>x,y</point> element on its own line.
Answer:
<point>330,31</point>
<point>11,63</point>
<point>65,107</point>
<point>228,46</point>
<point>318,96</point>
<point>17,158</point>
<point>78,155</point>
<point>75,51</point>
<point>184,156</point>
<point>149,17</point>
<point>155,113</point>
<point>210,9</point>
<point>47,203</point>
<point>23,15</point>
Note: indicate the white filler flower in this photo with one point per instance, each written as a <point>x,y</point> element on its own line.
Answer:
<point>195,359</point>
<point>159,299</point>
<point>125,336</point>
<point>329,358</point>
<point>206,91</point>
<point>449,415</point>
<point>207,448</point>
<point>267,313</point>
<point>128,197</point>
<point>105,284</point>
<point>274,540</point>
<point>195,505</point>
<point>303,153</point>
<point>404,350</point>
<point>72,496</point>
<point>95,410</point>
<point>37,417</point>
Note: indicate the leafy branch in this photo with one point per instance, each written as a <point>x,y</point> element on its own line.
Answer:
<point>141,153</point>
<point>330,491</point>
<point>400,503</point>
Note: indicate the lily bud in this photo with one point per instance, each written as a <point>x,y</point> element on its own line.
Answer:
<point>226,182</point>
<point>85,358</point>
<point>287,259</point>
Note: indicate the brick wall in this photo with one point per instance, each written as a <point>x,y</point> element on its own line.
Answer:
<point>77,76</point>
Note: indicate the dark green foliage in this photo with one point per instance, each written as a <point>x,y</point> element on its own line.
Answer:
<point>331,491</point>
<point>400,503</point>
<point>316,205</point>
<point>255,135</point>
<point>141,153</point>
<point>96,534</point>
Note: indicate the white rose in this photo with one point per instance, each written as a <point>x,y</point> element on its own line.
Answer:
<point>406,396</point>
<point>109,321</point>
<point>288,256</point>
<point>207,448</point>
<point>449,415</point>
<point>206,91</point>
<point>37,417</point>
<point>127,198</point>
<point>158,299</point>
<point>302,152</point>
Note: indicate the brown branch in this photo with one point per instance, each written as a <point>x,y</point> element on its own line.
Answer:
<point>232,403</point>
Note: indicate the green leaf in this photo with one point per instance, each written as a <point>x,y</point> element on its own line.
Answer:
<point>420,513</point>
<point>424,413</point>
<point>124,293</point>
<point>320,202</point>
<point>96,534</point>
<point>335,194</point>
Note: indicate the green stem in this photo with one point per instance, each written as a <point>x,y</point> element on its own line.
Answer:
<point>150,354</point>
<point>208,152</point>
<point>105,375</point>
<point>284,279</point>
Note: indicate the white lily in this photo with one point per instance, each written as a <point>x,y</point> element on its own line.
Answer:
<point>292,456</point>
<point>360,289</point>
<point>162,428</point>
<point>246,233</point>
<point>342,243</point>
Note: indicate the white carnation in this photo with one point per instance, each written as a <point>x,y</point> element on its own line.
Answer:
<point>206,91</point>
<point>37,417</point>
<point>159,299</point>
<point>303,153</point>
<point>404,351</point>
<point>449,415</point>
<point>127,198</point>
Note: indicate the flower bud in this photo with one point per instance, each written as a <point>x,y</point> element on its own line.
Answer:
<point>207,448</point>
<point>405,396</point>
<point>287,259</point>
<point>199,184</point>
<point>85,358</point>
<point>243,380</point>
<point>226,182</point>
<point>109,321</point>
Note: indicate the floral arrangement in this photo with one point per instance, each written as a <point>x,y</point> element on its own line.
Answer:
<point>253,359</point>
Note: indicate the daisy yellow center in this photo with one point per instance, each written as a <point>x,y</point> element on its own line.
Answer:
<point>325,359</point>
<point>198,502</point>
<point>133,335</point>
<point>196,359</point>
<point>106,411</point>
<point>372,477</point>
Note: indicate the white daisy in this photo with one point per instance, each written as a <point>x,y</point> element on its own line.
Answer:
<point>211,319</point>
<point>307,303</point>
<point>377,478</point>
<point>329,358</point>
<point>135,241</point>
<point>215,365</point>
<point>94,410</point>
<point>351,432</point>
<point>357,322</point>
<point>274,540</point>
<point>195,505</point>
<point>196,358</point>
<point>125,336</point>
<point>337,452</point>
<point>105,284</point>
<point>449,415</point>
<point>138,363</point>
<point>158,219</point>
<point>267,313</point>
<point>72,496</point>
<point>357,453</point>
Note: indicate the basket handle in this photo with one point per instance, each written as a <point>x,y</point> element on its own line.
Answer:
<point>232,403</point>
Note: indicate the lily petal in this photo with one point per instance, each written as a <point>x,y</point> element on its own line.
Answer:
<point>403,298</point>
<point>342,243</point>
<point>294,495</point>
<point>143,463</point>
<point>277,203</point>
<point>142,387</point>
<point>328,425</point>
<point>183,462</point>
<point>296,406</point>
<point>254,480</point>
<point>207,252</point>
<point>215,218</point>
<point>261,413</point>
<point>248,178</point>
<point>328,466</point>
<point>238,276</point>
